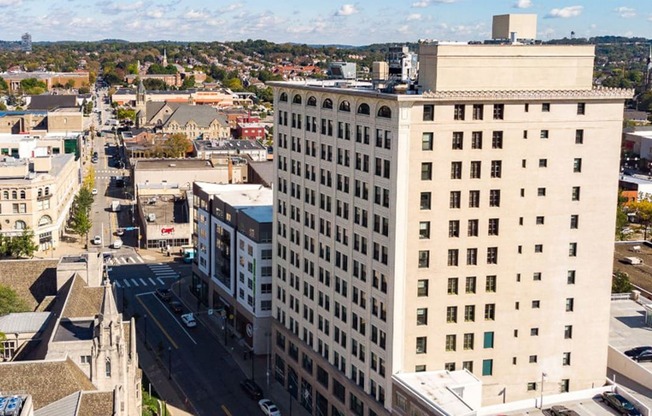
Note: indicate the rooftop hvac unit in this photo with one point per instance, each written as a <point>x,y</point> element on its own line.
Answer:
<point>151,217</point>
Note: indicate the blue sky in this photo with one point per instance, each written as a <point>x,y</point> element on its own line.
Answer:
<point>323,22</point>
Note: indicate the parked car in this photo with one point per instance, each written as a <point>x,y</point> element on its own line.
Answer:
<point>97,240</point>
<point>189,320</point>
<point>165,294</point>
<point>643,356</point>
<point>176,306</point>
<point>94,191</point>
<point>269,408</point>
<point>562,411</point>
<point>252,389</point>
<point>620,404</point>
<point>636,351</point>
<point>117,243</point>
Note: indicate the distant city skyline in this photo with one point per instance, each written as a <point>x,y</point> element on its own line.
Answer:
<point>347,22</point>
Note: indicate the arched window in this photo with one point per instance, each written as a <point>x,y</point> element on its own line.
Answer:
<point>22,194</point>
<point>296,99</point>
<point>312,101</point>
<point>384,112</point>
<point>14,194</point>
<point>107,367</point>
<point>364,109</point>
<point>5,194</point>
<point>40,192</point>
<point>345,106</point>
<point>20,225</point>
<point>45,220</point>
<point>283,97</point>
<point>47,190</point>
<point>328,103</point>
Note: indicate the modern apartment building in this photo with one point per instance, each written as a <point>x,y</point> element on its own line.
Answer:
<point>37,193</point>
<point>232,272</point>
<point>466,226</point>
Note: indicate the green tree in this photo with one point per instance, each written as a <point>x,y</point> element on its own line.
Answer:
<point>3,106</point>
<point>32,86</point>
<point>234,84</point>
<point>643,210</point>
<point>3,85</point>
<point>177,145</point>
<point>23,245</point>
<point>620,283</point>
<point>10,302</point>
<point>84,90</point>
<point>84,199</point>
<point>155,84</point>
<point>126,114</point>
<point>81,224</point>
<point>188,82</point>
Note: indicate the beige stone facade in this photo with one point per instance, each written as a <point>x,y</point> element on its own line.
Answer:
<point>453,229</point>
<point>37,193</point>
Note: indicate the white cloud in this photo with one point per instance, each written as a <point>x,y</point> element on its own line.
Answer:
<point>193,14</point>
<point>426,3</point>
<point>413,16</point>
<point>523,4</point>
<point>346,10</point>
<point>625,12</point>
<point>155,13</point>
<point>7,3</point>
<point>231,7</point>
<point>565,12</point>
<point>115,7</point>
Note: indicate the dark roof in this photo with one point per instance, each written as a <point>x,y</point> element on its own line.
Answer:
<point>49,102</point>
<point>264,173</point>
<point>46,381</point>
<point>74,330</point>
<point>202,115</point>
<point>96,404</point>
<point>33,280</point>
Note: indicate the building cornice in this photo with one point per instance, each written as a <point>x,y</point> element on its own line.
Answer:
<point>595,93</point>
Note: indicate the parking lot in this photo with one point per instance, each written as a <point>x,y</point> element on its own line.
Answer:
<point>639,275</point>
<point>587,407</point>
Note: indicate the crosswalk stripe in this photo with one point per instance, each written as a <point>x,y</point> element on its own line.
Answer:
<point>168,273</point>
<point>160,281</point>
<point>130,259</point>
<point>143,281</point>
<point>117,284</point>
<point>160,267</point>
<point>152,280</point>
<point>123,260</point>
<point>126,283</point>
<point>140,259</point>
<point>134,282</point>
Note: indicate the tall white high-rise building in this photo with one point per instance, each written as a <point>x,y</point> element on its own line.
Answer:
<point>469,226</point>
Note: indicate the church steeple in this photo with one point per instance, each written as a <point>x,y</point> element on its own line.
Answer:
<point>165,57</point>
<point>109,310</point>
<point>648,75</point>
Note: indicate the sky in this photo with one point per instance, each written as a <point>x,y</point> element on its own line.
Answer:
<point>345,22</point>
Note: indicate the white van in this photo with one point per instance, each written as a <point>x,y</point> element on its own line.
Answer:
<point>633,260</point>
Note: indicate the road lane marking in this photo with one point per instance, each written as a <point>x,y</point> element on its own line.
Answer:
<point>117,284</point>
<point>126,282</point>
<point>151,315</point>
<point>183,328</point>
<point>226,411</point>
<point>143,281</point>
<point>160,281</point>
<point>153,282</point>
<point>134,282</point>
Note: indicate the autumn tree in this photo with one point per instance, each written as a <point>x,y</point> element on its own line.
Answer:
<point>642,208</point>
<point>177,145</point>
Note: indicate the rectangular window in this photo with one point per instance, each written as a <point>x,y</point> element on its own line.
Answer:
<point>534,332</point>
<point>424,229</point>
<point>540,220</point>
<point>424,259</point>
<point>489,312</point>
<point>572,249</point>
<point>579,136</point>
<point>470,284</point>
<point>544,134</point>
<point>532,359</point>
<point>492,255</point>
<point>577,165</point>
<point>478,111</point>
<point>422,287</point>
<point>453,257</point>
<point>487,367</point>
<point>575,195</point>
<point>538,248</point>
<point>453,228</point>
<point>458,140</point>
<point>570,304</point>
<point>468,341</point>
<point>452,285</point>
<point>494,198</point>
<point>568,332</point>
<point>426,141</point>
<point>471,256</point>
<point>541,191</point>
<point>426,171</point>
<point>532,386</point>
<point>476,166</point>
<point>536,304</point>
<point>455,199</point>
<point>536,276</point>
<point>566,359</point>
<point>581,108</point>
<point>574,221</point>
<point>497,140</point>
<point>570,277</point>
<point>458,112</point>
<point>476,140</point>
<point>469,313</point>
<point>545,107</point>
<point>424,201</point>
<point>422,316</point>
<point>451,340</point>
<point>472,228</point>
<point>421,345</point>
<point>451,314</point>
<point>499,111</point>
<point>493,226</point>
<point>490,284</point>
<point>474,199</point>
<point>488,340</point>
<point>564,386</point>
<point>496,168</point>
<point>543,163</point>
<point>428,112</point>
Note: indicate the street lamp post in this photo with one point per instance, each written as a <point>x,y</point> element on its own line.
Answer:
<point>543,375</point>
<point>169,363</point>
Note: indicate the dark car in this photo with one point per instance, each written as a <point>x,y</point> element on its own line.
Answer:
<point>165,294</point>
<point>252,389</point>
<point>620,404</point>
<point>176,306</point>
<point>643,356</point>
<point>637,351</point>
<point>562,411</point>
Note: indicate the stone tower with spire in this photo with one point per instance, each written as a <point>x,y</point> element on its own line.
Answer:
<point>141,105</point>
<point>648,75</point>
<point>165,58</point>
<point>114,361</point>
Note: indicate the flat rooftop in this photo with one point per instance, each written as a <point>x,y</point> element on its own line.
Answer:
<point>260,214</point>
<point>173,164</point>
<point>165,209</point>
<point>437,387</point>
<point>228,145</point>
<point>74,331</point>
<point>239,195</point>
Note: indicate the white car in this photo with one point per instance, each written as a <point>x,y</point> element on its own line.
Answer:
<point>97,240</point>
<point>269,408</point>
<point>189,320</point>
<point>94,191</point>
<point>117,243</point>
